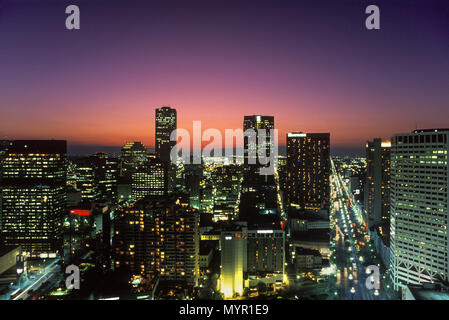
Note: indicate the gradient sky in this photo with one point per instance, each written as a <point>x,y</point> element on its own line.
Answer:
<point>310,64</point>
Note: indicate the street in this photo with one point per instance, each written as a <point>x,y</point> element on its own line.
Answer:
<point>350,245</point>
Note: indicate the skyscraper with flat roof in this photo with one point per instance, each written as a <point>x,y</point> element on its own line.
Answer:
<point>251,146</point>
<point>419,207</point>
<point>133,155</point>
<point>166,123</point>
<point>233,260</point>
<point>158,234</point>
<point>34,195</point>
<point>308,169</point>
<point>149,179</point>
<point>377,185</point>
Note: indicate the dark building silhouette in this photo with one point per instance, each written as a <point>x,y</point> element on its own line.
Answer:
<point>166,123</point>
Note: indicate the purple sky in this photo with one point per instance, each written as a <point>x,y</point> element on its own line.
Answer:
<point>312,65</point>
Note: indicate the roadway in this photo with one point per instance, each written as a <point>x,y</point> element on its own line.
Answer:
<point>50,275</point>
<point>349,234</point>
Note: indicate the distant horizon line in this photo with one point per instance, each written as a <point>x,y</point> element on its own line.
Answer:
<point>84,149</point>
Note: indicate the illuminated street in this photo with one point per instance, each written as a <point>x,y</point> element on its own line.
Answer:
<point>351,246</point>
<point>49,276</point>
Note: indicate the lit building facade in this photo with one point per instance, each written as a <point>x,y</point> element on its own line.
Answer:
<point>34,196</point>
<point>266,251</point>
<point>233,261</point>
<point>251,146</point>
<point>133,155</point>
<point>149,179</point>
<point>96,177</point>
<point>158,235</point>
<point>308,168</point>
<point>377,184</point>
<point>166,123</point>
<point>419,207</point>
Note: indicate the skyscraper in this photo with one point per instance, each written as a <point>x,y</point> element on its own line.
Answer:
<point>308,165</point>
<point>34,195</point>
<point>258,193</point>
<point>377,185</point>
<point>166,123</point>
<point>158,234</point>
<point>419,207</point>
<point>149,179</point>
<point>251,146</point>
<point>86,181</point>
<point>133,155</point>
<point>96,178</point>
<point>233,260</point>
<point>266,251</point>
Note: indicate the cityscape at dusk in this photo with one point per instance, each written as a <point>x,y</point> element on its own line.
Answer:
<point>234,157</point>
<point>311,64</point>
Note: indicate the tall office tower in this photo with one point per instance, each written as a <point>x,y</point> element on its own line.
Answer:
<point>250,146</point>
<point>377,185</point>
<point>166,122</point>
<point>308,169</point>
<point>149,180</point>
<point>158,234</point>
<point>419,207</point>
<point>226,181</point>
<point>34,195</point>
<point>108,174</point>
<point>134,154</point>
<point>86,180</point>
<point>96,178</point>
<point>266,252</point>
<point>258,198</point>
<point>233,260</point>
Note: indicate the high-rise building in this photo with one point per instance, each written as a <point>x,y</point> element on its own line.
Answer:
<point>166,123</point>
<point>86,181</point>
<point>134,154</point>
<point>34,195</point>
<point>258,193</point>
<point>233,261</point>
<point>96,178</point>
<point>108,174</point>
<point>158,235</point>
<point>419,207</point>
<point>266,251</point>
<point>377,183</point>
<point>149,180</point>
<point>308,168</point>
<point>251,146</point>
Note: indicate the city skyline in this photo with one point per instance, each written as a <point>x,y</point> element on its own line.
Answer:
<point>312,75</point>
<point>202,151</point>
